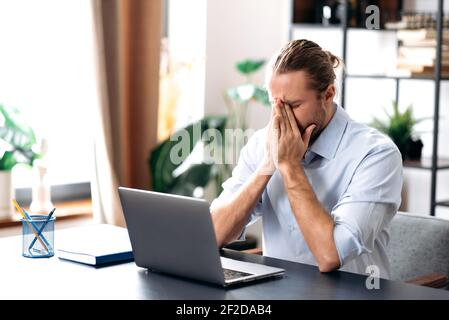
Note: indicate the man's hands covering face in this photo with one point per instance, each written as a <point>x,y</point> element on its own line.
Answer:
<point>291,145</point>
<point>285,146</point>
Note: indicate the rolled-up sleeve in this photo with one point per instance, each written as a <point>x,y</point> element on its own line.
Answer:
<point>369,204</point>
<point>357,225</point>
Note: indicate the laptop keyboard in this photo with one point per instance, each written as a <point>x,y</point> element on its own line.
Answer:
<point>232,274</point>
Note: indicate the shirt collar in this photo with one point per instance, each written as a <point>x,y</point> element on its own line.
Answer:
<point>326,145</point>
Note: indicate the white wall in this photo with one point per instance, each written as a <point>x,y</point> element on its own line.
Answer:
<point>237,30</point>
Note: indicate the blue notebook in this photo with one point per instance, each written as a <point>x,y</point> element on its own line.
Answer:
<point>94,245</point>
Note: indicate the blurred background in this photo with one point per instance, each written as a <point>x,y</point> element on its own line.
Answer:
<point>92,90</point>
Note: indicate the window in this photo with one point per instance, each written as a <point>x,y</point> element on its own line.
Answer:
<point>47,72</point>
<point>186,31</point>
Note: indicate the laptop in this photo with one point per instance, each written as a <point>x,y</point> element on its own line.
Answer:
<point>175,235</point>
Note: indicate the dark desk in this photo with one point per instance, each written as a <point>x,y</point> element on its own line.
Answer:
<point>23,278</point>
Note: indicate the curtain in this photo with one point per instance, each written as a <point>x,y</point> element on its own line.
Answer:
<point>127,51</point>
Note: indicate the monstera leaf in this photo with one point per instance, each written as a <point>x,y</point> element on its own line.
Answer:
<point>162,167</point>
<point>249,66</point>
<point>247,92</point>
<point>198,175</point>
<point>17,138</point>
<point>7,161</point>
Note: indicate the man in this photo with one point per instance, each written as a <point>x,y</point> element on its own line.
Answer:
<point>326,186</point>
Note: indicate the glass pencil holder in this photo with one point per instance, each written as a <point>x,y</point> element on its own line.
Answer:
<point>38,236</point>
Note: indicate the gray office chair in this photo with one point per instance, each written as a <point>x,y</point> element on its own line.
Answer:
<point>418,250</point>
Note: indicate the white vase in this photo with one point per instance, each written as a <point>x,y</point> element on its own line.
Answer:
<point>6,195</point>
<point>41,195</point>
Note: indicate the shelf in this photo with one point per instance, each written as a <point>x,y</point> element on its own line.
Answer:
<point>443,203</point>
<point>315,26</point>
<point>336,26</point>
<point>372,30</point>
<point>426,164</point>
<point>303,11</point>
<point>391,77</point>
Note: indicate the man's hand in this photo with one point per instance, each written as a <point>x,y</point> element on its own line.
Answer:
<point>315,223</point>
<point>291,144</point>
<point>268,165</point>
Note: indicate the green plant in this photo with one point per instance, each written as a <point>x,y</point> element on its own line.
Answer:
<point>164,172</point>
<point>238,98</point>
<point>399,126</point>
<point>163,168</point>
<point>16,139</point>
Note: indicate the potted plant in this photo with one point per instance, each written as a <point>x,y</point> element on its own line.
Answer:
<point>16,142</point>
<point>399,126</point>
<point>165,172</point>
<point>238,98</point>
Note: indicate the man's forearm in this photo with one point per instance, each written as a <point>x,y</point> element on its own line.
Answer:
<point>315,223</point>
<point>229,219</point>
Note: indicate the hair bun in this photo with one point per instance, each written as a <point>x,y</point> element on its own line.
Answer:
<point>335,61</point>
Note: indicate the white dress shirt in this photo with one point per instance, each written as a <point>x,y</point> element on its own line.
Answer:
<point>356,174</point>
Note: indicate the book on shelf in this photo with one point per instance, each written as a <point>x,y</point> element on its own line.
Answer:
<point>424,43</point>
<point>421,61</point>
<point>421,38</point>
<point>422,52</point>
<point>420,34</point>
<point>429,73</point>
<point>419,65</point>
<point>419,71</point>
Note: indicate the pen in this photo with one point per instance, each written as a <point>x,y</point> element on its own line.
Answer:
<point>34,226</point>
<point>39,233</point>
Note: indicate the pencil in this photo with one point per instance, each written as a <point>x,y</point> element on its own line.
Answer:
<point>35,228</point>
<point>41,229</point>
<point>29,224</point>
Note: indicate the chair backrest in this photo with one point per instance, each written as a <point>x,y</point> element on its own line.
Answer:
<point>419,245</point>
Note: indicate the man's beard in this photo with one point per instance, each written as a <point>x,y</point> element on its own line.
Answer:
<point>315,134</point>
<point>319,122</point>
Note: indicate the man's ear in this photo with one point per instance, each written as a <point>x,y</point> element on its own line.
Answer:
<point>330,93</point>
